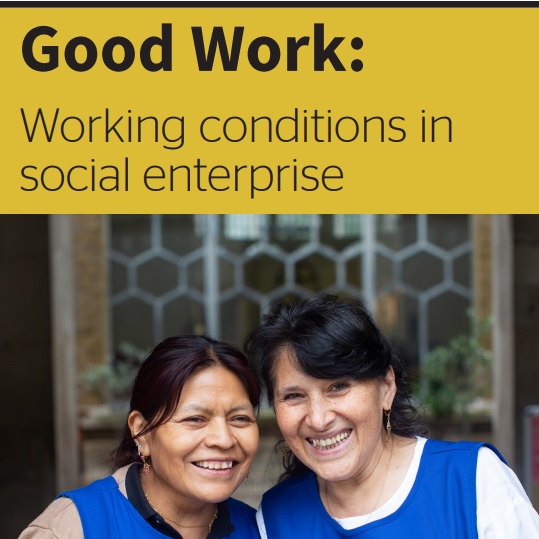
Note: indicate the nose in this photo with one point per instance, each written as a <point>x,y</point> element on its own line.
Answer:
<point>220,435</point>
<point>320,415</point>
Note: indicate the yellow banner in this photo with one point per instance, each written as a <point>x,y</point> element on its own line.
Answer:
<point>269,110</point>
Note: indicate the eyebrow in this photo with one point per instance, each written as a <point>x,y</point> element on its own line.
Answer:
<point>198,408</point>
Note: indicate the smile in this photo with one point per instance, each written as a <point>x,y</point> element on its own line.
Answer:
<point>214,465</point>
<point>329,443</point>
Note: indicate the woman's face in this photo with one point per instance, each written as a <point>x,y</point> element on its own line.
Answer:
<point>205,450</point>
<point>333,426</point>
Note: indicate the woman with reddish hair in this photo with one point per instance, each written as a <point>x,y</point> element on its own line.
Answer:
<point>189,441</point>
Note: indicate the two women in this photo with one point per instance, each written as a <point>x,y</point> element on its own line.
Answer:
<point>356,457</point>
<point>357,462</point>
<point>189,441</point>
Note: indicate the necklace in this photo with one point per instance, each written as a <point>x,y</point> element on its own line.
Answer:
<point>183,525</point>
<point>379,495</point>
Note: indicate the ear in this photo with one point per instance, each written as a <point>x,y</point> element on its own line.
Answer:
<point>389,389</point>
<point>136,423</point>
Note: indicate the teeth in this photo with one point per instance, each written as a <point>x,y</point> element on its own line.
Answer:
<point>329,443</point>
<point>213,465</point>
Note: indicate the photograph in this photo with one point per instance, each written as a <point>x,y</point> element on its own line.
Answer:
<point>199,360</point>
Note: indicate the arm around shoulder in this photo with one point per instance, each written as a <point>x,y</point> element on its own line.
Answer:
<point>59,521</point>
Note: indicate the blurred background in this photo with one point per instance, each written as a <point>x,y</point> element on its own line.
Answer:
<point>84,297</point>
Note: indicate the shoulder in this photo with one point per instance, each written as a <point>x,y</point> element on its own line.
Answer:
<point>433,446</point>
<point>298,492</point>
<point>120,477</point>
<point>59,520</point>
<point>438,446</point>
<point>239,507</point>
<point>116,481</point>
<point>494,475</point>
<point>243,519</point>
<point>503,507</point>
<point>302,482</point>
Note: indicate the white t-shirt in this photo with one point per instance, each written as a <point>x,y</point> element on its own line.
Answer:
<point>503,508</point>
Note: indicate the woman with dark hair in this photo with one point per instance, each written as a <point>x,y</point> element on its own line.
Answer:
<point>190,438</point>
<point>356,459</point>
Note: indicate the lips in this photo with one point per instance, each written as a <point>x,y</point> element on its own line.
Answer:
<point>329,443</point>
<point>215,464</point>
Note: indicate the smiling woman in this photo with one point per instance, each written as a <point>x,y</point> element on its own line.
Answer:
<point>190,438</point>
<point>356,459</point>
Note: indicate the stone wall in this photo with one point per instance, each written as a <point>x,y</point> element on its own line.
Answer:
<point>91,293</point>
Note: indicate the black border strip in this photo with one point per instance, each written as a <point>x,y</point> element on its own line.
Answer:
<point>271,4</point>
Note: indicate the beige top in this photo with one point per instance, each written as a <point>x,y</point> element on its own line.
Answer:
<point>61,519</point>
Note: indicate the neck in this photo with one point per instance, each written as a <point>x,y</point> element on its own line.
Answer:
<point>361,494</point>
<point>191,520</point>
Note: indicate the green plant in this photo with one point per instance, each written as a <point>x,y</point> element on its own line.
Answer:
<point>114,378</point>
<point>456,373</point>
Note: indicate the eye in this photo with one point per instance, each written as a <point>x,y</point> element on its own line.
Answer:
<point>194,419</point>
<point>339,387</point>
<point>291,397</point>
<point>242,420</point>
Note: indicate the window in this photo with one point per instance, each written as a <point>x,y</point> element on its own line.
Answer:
<point>217,274</point>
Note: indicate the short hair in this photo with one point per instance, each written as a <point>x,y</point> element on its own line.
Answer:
<point>331,338</point>
<point>162,376</point>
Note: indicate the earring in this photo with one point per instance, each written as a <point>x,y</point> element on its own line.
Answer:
<point>145,465</point>
<point>388,422</point>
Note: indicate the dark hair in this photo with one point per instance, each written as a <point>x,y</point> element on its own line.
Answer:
<point>331,338</point>
<point>162,376</point>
